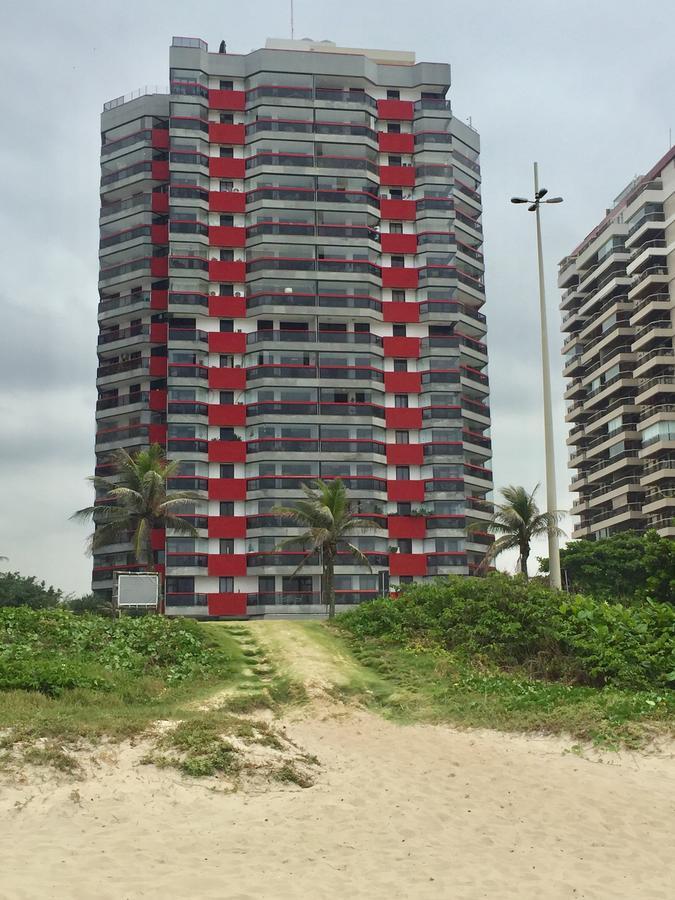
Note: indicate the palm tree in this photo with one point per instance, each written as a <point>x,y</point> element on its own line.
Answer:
<point>138,502</point>
<point>517,522</point>
<point>328,518</point>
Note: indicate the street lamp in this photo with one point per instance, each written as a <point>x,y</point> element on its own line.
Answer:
<point>551,502</point>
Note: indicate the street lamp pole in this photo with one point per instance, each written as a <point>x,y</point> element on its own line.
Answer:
<point>551,492</point>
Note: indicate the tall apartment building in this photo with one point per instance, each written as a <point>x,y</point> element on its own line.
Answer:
<point>291,283</point>
<point>619,323</point>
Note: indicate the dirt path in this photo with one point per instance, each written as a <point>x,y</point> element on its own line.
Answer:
<point>308,653</point>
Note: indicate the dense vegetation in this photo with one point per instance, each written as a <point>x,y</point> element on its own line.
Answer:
<point>26,590</point>
<point>508,623</point>
<point>52,650</point>
<point>627,566</point>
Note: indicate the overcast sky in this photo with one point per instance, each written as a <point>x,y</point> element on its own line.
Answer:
<point>583,87</point>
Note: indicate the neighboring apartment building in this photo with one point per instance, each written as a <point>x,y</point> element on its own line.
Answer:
<point>619,321</point>
<point>291,286</point>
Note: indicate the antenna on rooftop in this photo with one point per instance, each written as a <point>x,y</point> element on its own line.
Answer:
<point>292,23</point>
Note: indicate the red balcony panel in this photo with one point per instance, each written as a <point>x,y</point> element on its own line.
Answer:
<point>160,170</point>
<point>159,202</point>
<point>393,277</point>
<point>406,419</point>
<point>159,234</point>
<point>397,176</point>
<point>231,100</point>
<point>157,400</point>
<point>402,382</point>
<point>226,236</point>
<point>160,138</point>
<point>227,488</point>
<point>407,564</point>
<point>227,342</point>
<point>227,526</point>
<point>158,366</point>
<point>159,266</point>
<point>400,312</point>
<point>159,332</point>
<point>401,110</point>
<point>226,133</point>
<point>220,270</point>
<point>157,434</point>
<point>227,167</point>
<point>232,604</point>
<point>227,379</point>
<point>404,491</point>
<point>398,210</point>
<point>395,143</point>
<point>157,536</point>
<point>227,307</point>
<point>227,414</point>
<point>227,451</point>
<point>398,243</point>
<point>159,299</point>
<point>227,564</point>
<point>407,526</point>
<point>405,454</point>
<point>401,347</point>
<point>227,201</point>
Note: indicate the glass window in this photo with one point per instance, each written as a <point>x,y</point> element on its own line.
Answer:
<point>226,584</point>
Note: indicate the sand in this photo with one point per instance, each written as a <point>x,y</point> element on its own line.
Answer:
<point>397,812</point>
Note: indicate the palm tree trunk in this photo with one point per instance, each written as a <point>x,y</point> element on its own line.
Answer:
<point>328,579</point>
<point>524,555</point>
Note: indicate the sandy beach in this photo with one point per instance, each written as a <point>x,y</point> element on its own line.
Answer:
<point>397,812</point>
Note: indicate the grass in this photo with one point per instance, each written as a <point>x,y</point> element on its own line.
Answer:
<point>427,684</point>
<point>45,729</point>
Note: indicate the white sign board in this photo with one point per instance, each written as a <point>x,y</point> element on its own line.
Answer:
<point>138,590</point>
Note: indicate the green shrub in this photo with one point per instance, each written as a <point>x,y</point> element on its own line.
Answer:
<point>52,650</point>
<point>512,623</point>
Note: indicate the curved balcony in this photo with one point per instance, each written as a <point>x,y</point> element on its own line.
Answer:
<point>292,336</point>
<point>312,301</point>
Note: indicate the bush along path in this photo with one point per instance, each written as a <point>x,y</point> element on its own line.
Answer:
<point>191,695</point>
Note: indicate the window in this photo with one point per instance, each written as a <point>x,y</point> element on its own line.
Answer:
<point>405,579</point>
<point>266,584</point>
<point>393,94</point>
<point>396,228</point>
<point>400,365</point>
<point>226,118</point>
<point>227,152</point>
<point>227,508</point>
<point>226,362</point>
<point>361,327</point>
<point>226,584</point>
<point>398,329</point>
<point>226,398</point>
<point>394,160</point>
<point>402,437</point>
<point>228,434</point>
<point>401,401</point>
<point>398,296</point>
<point>403,473</point>
<point>226,185</point>
<point>226,255</point>
<point>398,262</point>
<point>396,193</point>
<point>393,128</point>
<point>403,509</point>
<point>227,325</point>
<point>404,545</point>
<point>228,221</point>
<point>226,85</point>
<point>226,545</point>
<point>227,470</point>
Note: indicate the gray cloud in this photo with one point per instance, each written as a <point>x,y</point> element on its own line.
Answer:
<point>584,88</point>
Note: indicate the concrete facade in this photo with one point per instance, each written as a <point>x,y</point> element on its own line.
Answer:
<point>619,323</point>
<point>291,287</point>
